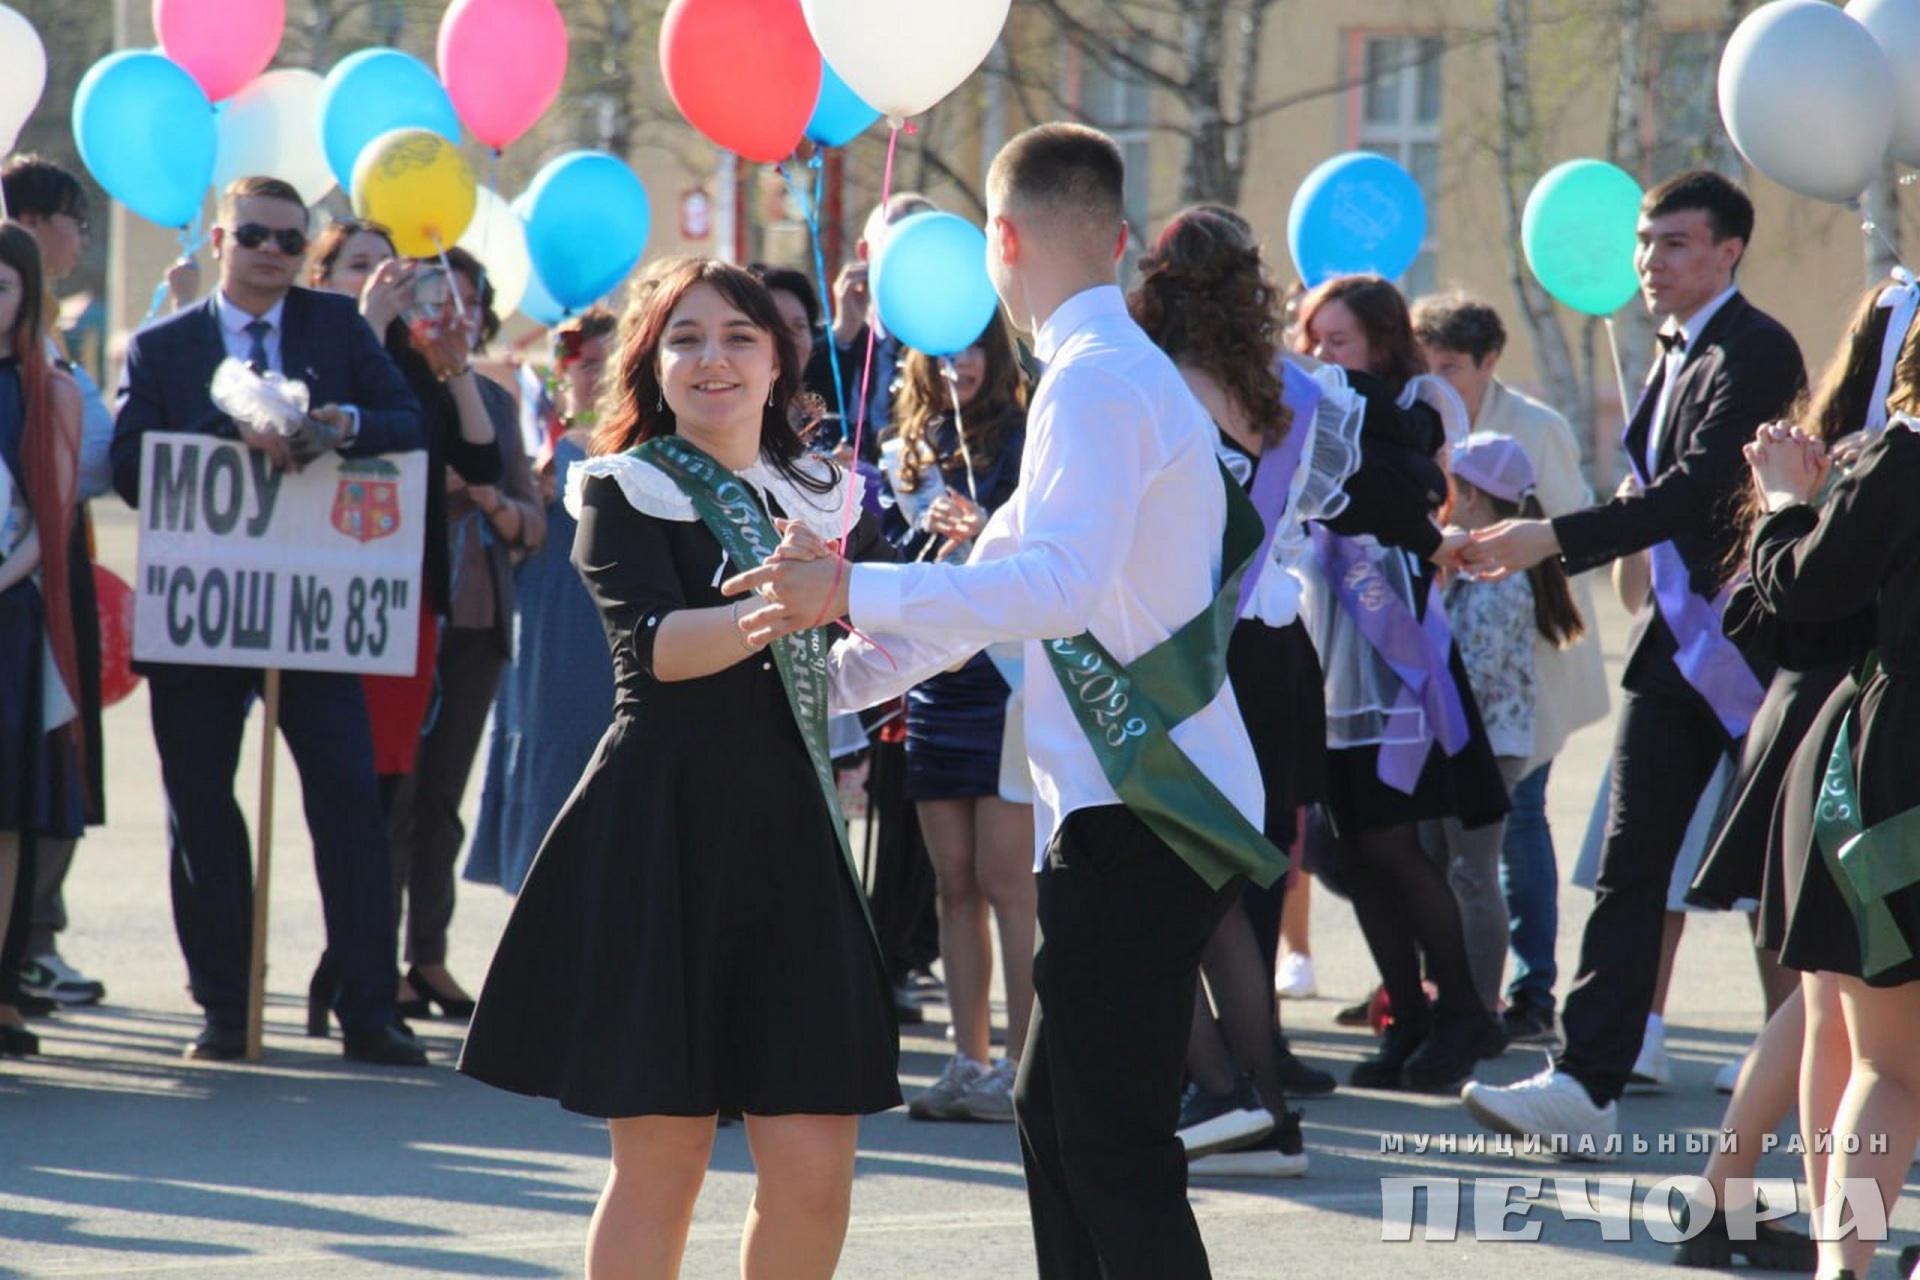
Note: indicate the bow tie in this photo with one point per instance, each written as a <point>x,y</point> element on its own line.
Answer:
<point>1672,340</point>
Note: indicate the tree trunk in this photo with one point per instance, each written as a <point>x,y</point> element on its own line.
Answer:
<point>1203,46</point>
<point>1517,141</point>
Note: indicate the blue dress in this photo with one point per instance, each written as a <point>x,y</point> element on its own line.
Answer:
<point>554,705</point>
<point>957,720</point>
<point>39,790</point>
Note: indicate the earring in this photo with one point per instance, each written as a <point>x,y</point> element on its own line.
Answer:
<point>659,401</point>
<point>769,397</point>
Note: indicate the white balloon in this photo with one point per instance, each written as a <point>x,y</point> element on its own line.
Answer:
<point>1808,97</point>
<point>496,237</point>
<point>1895,27</point>
<point>23,74</point>
<point>271,128</point>
<point>902,56</point>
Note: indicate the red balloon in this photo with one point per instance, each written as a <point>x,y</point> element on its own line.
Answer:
<point>503,62</point>
<point>117,678</point>
<point>743,72</point>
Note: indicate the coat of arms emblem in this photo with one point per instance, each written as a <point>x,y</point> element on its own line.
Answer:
<point>367,503</point>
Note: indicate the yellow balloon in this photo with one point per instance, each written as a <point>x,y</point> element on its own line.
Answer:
<point>417,185</point>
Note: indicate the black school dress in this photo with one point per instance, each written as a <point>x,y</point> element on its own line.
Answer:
<point>689,939</point>
<point>1860,549</point>
<point>1391,498</point>
<point>1809,660</point>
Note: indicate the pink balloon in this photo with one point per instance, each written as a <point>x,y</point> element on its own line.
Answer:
<point>222,45</point>
<point>502,62</point>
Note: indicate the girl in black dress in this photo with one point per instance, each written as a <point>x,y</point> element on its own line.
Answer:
<point>1400,893</point>
<point>1851,918</point>
<point>690,938</point>
<point>1206,299</point>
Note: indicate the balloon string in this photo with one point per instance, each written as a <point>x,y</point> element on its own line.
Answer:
<point>1619,371</point>
<point>459,308</point>
<point>1872,228</point>
<point>810,210</point>
<point>191,238</point>
<point>951,376</point>
<point>866,372</point>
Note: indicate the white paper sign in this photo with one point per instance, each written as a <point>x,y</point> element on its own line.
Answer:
<point>244,566</point>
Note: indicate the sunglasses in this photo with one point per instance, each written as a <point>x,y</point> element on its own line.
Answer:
<point>252,235</point>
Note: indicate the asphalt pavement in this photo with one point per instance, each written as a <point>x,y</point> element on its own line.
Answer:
<point>118,1158</point>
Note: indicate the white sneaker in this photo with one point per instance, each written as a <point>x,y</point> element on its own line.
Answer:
<point>990,1096</point>
<point>1651,1070</point>
<point>1547,1106</point>
<point>51,978</point>
<point>1728,1076</point>
<point>1294,981</point>
<point>1281,1154</point>
<point>942,1101</point>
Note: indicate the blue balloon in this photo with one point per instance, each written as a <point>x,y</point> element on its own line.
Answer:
<point>930,282</point>
<point>839,115</point>
<point>587,220</point>
<point>376,91</point>
<point>1356,213</point>
<point>537,305</point>
<point>147,135</point>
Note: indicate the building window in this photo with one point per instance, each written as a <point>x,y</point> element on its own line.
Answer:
<point>1113,98</point>
<point>1395,110</point>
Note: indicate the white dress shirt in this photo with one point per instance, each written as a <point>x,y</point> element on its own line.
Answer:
<point>233,331</point>
<point>1115,528</point>
<point>1690,330</point>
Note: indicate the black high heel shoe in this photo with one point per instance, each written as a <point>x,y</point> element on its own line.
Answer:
<point>320,992</point>
<point>426,996</point>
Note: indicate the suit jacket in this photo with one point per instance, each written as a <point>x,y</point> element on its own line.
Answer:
<point>324,343</point>
<point>1743,370</point>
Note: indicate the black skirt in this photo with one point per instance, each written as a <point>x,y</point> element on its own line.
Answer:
<point>1282,696</point>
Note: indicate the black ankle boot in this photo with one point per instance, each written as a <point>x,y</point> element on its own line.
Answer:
<point>1383,1069</point>
<point>1459,1040</point>
<point>321,989</point>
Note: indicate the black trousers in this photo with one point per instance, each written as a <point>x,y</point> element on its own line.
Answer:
<point>1122,922</point>
<point>424,831</point>
<point>1665,750</point>
<point>199,714</point>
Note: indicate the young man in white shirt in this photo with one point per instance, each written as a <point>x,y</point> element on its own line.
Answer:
<point>1115,540</point>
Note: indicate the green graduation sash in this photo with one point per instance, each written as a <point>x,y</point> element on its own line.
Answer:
<point>1128,712</point>
<point>733,514</point>
<point>1868,864</point>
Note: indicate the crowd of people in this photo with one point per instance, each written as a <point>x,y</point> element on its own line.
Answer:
<point>1111,710</point>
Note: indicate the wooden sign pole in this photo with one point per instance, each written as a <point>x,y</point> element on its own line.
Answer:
<point>263,871</point>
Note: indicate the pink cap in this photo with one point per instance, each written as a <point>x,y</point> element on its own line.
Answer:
<point>1496,464</point>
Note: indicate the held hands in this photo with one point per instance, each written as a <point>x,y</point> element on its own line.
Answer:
<point>1788,465</point>
<point>803,584</point>
<point>384,296</point>
<point>1509,547</point>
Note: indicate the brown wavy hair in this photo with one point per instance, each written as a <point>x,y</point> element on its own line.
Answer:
<point>923,400</point>
<point>632,410</point>
<point>1206,299</point>
<point>327,246</point>
<point>49,455</point>
<point>1381,310</point>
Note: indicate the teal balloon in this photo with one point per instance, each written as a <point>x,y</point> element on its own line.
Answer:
<point>376,91</point>
<point>930,282</point>
<point>147,134</point>
<point>1579,233</point>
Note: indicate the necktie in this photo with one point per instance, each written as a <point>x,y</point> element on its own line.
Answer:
<point>1672,340</point>
<point>257,330</point>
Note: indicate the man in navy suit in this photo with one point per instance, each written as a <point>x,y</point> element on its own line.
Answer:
<point>199,712</point>
<point>1724,368</point>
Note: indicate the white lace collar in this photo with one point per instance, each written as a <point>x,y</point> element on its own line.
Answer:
<point>654,492</point>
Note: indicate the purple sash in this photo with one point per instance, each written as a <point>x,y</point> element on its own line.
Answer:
<point>1707,660</point>
<point>1417,650</point>
<point>1273,480</point>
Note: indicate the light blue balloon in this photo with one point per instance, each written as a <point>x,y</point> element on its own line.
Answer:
<point>1358,213</point>
<point>537,305</point>
<point>930,282</point>
<point>147,134</point>
<point>839,115</point>
<point>376,91</point>
<point>587,220</point>
<point>1580,234</point>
